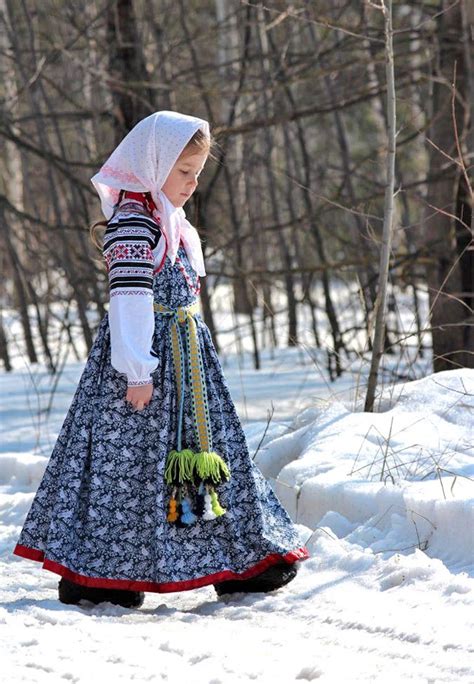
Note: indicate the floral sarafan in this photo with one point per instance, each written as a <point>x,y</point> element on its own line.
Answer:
<point>108,519</point>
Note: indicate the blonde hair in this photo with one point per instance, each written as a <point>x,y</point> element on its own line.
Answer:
<point>199,142</point>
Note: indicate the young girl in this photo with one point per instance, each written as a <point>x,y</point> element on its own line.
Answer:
<point>150,485</point>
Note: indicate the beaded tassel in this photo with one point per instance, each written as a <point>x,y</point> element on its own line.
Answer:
<point>175,507</point>
<point>208,512</point>
<point>179,522</point>
<point>188,516</point>
<point>216,507</point>
<point>199,505</point>
<point>172,512</point>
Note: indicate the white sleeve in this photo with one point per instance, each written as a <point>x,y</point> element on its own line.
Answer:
<point>128,253</point>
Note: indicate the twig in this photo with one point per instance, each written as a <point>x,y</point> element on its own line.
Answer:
<point>270,416</point>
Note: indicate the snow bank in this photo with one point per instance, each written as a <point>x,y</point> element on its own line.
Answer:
<point>393,481</point>
<point>21,471</point>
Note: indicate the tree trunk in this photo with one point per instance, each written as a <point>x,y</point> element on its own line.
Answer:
<point>231,111</point>
<point>20,292</point>
<point>380,308</point>
<point>271,141</point>
<point>4,355</point>
<point>446,231</point>
<point>127,67</point>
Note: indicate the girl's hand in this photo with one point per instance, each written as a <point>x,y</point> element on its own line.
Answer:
<point>139,396</point>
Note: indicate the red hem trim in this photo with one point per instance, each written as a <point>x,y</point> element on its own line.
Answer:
<point>160,587</point>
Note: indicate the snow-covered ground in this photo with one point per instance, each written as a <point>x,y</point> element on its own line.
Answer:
<point>384,502</point>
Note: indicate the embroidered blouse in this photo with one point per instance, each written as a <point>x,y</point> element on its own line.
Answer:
<point>134,249</point>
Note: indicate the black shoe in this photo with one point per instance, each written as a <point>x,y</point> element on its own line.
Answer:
<point>272,578</point>
<point>71,593</point>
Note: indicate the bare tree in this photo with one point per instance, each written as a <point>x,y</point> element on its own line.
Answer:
<point>380,305</point>
<point>290,214</point>
<point>448,233</point>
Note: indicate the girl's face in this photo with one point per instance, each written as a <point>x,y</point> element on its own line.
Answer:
<point>182,180</point>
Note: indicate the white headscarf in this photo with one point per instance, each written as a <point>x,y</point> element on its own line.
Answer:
<point>142,163</point>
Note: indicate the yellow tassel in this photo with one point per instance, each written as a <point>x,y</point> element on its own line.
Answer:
<point>179,466</point>
<point>216,507</point>
<point>211,466</point>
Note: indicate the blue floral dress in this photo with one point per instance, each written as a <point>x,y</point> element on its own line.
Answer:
<point>99,516</point>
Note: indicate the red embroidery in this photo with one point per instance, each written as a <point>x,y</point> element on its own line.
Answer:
<point>128,251</point>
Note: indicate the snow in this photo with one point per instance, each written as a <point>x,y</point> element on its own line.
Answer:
<point>403,478</point>
<point>383,501</point>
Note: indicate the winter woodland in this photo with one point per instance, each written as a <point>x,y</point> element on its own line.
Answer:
<point>336,220</point>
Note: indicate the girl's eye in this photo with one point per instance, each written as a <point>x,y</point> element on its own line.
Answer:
<point>187,172</point>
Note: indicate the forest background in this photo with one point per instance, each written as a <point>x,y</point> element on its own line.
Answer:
<point>291,207</point>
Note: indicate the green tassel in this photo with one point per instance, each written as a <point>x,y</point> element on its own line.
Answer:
<point>211,466</point>
<point>179,466</point>
<point>215,505</point>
